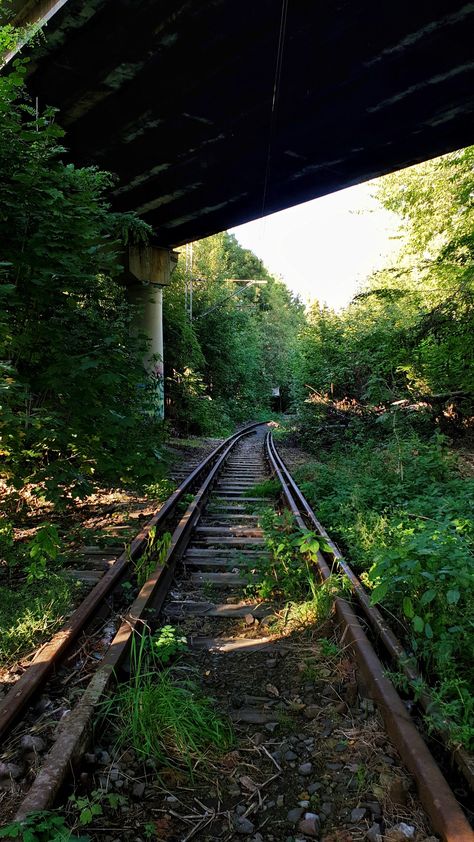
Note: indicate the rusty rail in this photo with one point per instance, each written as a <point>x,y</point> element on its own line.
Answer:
<point>51,652</point>
<point>461,757</point>
<point>435,794</point>
<point>74,731</point>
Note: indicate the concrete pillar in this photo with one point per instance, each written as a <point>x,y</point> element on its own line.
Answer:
<point>150,268</point>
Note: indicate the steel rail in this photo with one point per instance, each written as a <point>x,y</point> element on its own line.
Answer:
<point>50,653</point>
<point>435,794</point>
<point>75,729</point>
<point>461,757</point>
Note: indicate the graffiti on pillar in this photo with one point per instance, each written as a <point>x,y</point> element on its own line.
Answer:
<point>158,380</point>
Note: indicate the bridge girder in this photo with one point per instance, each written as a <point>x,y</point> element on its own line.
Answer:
<point>175,97</point>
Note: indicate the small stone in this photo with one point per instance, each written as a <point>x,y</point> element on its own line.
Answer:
<point>305,769</point>
<point>258,739</point>
<point>89,757</point>
<point>326,808</point>
<point>270,726</point>
<point>374,833</point>
<point>171,799</point>
<point>103,757</point>
<point>334,767</point>
<point>310,825</point>
<point>114,775</point>
<point>118,784</point>
<point>271,663</point>
<point>240,809</point>
<point>257,838</point>
<point>280,800</point>
<point>358,814</point>
<point>304,804</point>
<point>311,711</point>
<point>400,832</point>
<point>294,815</point>
<point>10,770</point>
<point>43,704</point>
<point>249,619</point>
<point>30,743</point>
<point>243,826</point>
<point>312,788</point>
<point>327,728</point>
<point>138,789</point>
<point>290,755</point>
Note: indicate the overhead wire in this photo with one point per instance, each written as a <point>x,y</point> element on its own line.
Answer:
<point>275,96</point>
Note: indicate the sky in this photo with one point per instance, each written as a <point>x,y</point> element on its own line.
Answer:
<point>325,248</point>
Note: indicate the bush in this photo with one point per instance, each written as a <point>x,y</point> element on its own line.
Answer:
<point>402,514</point>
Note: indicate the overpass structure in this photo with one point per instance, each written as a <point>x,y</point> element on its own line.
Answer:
<point>215,112</point>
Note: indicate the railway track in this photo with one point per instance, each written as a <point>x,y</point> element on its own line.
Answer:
<point>216,541</point>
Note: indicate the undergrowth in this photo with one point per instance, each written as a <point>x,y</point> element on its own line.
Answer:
<point>401,513</point>
<point>31,612</point>
<point>161,713</point>
<point>267,488</point>
<point>287,574</point>
<point>44,826</point>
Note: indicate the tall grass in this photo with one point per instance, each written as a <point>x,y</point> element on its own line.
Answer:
<point>31,613</point>
<point>162,715</point>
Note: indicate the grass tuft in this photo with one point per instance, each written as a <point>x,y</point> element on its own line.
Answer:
<point>31,613</point>
<point>267,488</point>
<point>163,716</point>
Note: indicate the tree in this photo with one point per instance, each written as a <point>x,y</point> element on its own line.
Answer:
<point>221,368</point>
<point>72,406</point>
<point>408,333</point>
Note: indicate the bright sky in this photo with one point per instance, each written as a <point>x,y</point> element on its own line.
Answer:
<point>325,248</point>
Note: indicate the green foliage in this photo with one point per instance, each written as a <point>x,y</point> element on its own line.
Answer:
<point>153,555</point>
<point>88,807</point>
<point>266,488</point>
<point>408,333</point>
<point>162,715</point>
<point>402,515</point>
<point>221,367</point>
<point>31,612</point>
<point>167,643</point>
<point>73,410</point>
<point>44,826</point>
<point>42,549</point>
<point>288,572</point>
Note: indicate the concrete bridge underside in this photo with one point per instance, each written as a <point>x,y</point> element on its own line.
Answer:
<point>176,98</point>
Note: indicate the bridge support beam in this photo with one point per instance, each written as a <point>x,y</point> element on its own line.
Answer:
<point>151,268</point>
